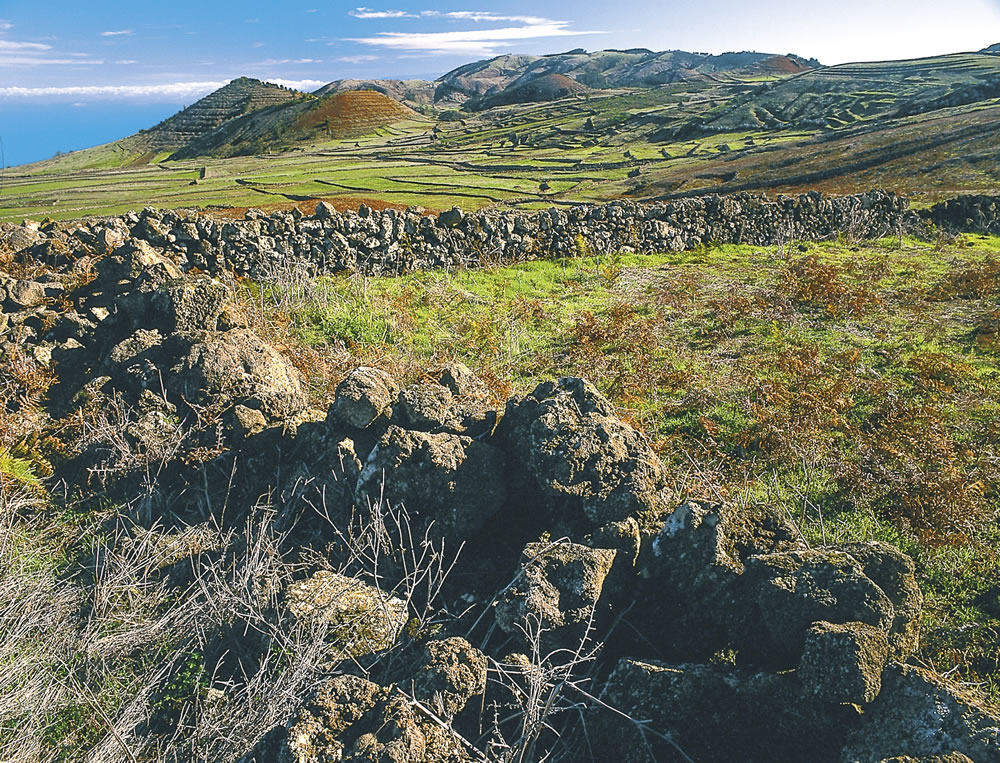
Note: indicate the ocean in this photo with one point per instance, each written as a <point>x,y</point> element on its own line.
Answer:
<point>31,131</point>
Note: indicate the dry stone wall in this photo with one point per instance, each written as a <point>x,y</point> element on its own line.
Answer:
<point>392,242</point>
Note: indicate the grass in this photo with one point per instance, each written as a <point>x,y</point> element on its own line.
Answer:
<point>855,388</point>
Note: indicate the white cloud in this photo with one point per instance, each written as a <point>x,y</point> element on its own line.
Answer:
<point>356,59</point>
<point>252,21</point>
<point>170,91</point>
<point>477,42</point>
<point>299,84</point>
<point>484,16</point>
<point>16,60</point>
<point>6,45</point>
<point>119,33</point>
<point>126,61</point>
<point>285,61</point>
<point>368,13</point>
<point>5,25</point>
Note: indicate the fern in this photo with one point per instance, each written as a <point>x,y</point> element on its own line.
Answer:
<point>18,470</point>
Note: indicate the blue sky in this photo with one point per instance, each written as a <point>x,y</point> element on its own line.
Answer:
<point>117,54</point>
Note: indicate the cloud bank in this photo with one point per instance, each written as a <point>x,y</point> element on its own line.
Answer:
<point>169,91</point>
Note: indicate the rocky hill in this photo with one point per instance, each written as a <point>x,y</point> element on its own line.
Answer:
<point>239,97</point>
<point>337,115</point>
<point>547,87</point>
<point>605,68</point>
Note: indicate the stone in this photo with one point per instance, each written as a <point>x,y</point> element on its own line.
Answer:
<point>356,618</point>
<point>555,594</point>
<point>714,712</point>
<point>451,400</point>
<point>189,304</point>
<point>451,218</point>
<point>921,715</point>
<point>238,367</point>
<point>364,395</point>
<point>138,260</point>
<point>585,462</point>
<point>455,481</point>
<point>843,663</point>
<point>321,729</point>
<point>245,422</point>
<point>794,589</point>
<point>450,673</point>
<point>693,597</point>
<point>325,211</point>
<point>20,238</point>
<point>895,573</point>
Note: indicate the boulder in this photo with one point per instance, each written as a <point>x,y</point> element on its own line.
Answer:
<point>188,304</point>
<point>556,593</point>
<point>794,589</point>
<point>691,574</point>
<point>348,718</point>
<point>138,261</point>
<point>843,663</point>
<point>587,465</point>
<point>355,617</point>
<point>919,715</point>
<point>455,481</point>
<point>453,400</point>
<point>364,395</point>
<point>713,713</point>
<point>451,218</point>
<point>450,673</point>
<point>20,238</point>
<point>237,367</point>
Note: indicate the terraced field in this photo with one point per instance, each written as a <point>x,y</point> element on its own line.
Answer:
<point>926,128</point>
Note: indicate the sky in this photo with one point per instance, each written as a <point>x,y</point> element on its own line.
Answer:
<point>74,74</point>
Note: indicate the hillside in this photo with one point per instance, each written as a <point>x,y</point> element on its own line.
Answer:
<point>839,96</point>
<point>546,87</point>
<point>331,117</point>
<point>994,49</point>
<point>601,69</point>
<point>924,127</point>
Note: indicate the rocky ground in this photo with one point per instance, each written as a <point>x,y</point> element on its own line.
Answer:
<point>469,580</point>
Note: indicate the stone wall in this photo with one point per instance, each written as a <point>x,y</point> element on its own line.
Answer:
<point>392,242</point>
<point>971,214</point>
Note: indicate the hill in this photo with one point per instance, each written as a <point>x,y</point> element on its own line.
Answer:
<point>336,116</point>
<point>547,87</point>
<point>838,96</point>
<point>239,97</point>
<point>994,49</point>
<point>410,92</point>
<point>637,67</point>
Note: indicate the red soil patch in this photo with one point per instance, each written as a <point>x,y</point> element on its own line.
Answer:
<point>779,65</point>
<point>353,113</point>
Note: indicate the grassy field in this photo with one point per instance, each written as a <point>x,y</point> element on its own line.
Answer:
<point>872,125</point>
<point>854,387</point>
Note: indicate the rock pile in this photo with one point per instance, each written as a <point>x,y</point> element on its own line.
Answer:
<point>740,641</point>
